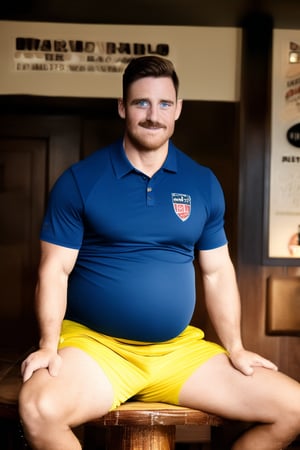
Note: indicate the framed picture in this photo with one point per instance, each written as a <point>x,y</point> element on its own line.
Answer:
<point>282,177</point>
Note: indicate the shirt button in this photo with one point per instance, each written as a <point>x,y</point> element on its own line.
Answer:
<point>149,189</point>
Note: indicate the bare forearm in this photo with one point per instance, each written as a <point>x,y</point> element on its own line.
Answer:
<point>223,305</point>
<point>50,309</point>
<point>51,298</point>
<point>51,292</point>
<point>226,322</point>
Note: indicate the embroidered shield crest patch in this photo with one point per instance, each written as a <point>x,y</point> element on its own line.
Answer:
<point>182,204</point>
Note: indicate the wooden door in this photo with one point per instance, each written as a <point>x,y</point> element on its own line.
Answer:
<point>22,197</point>
<point>33,152</point>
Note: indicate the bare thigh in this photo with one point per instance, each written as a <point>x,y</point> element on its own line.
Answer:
<point>218,387</point>
<point>80,392</point>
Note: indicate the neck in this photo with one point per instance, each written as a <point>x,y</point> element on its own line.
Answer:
<point>146,161</point>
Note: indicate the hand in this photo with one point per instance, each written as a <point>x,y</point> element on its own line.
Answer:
<point>246,361</point>
<point>41,359</point>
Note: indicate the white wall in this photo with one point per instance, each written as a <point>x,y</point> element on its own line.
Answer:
<point>207,59</point>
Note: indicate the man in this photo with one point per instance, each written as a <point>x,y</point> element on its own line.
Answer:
<point>116,288</point>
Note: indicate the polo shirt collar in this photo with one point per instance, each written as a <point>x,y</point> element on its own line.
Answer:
<point>122,165</point>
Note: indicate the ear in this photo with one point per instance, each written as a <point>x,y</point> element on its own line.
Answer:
<point>178,108</point>
<point>121,108</point>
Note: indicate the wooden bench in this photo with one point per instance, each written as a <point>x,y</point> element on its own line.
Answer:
<point>132,426</point>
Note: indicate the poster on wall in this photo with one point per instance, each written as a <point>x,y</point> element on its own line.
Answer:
<point>87,60</point>
<point>284,188</point>
<point>42,54</point>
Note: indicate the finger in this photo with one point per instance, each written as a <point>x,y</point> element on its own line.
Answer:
<point>243,366</point>
<point>30,365</point>
<point>27,362</point>
<point>23,367</point>
<point>27,373</point>
<point>246,369</point>
<point>262,362</point>
<point>54,366</point>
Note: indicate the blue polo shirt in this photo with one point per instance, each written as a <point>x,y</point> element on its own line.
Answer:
<point>134,275</point>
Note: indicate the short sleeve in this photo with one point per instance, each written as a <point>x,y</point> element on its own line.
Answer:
<point>63,221</point>
<point>213,234</point>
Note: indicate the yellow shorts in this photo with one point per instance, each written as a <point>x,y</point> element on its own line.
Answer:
<point>150,372</point>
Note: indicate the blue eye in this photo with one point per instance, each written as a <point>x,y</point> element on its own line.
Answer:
<point>143,103</point>
<point>165,105</point>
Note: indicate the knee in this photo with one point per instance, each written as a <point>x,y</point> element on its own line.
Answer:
<point>288,421</point>
<point>292,416</point>
<point>35,409</point>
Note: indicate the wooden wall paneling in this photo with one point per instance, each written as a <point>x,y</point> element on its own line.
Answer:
<point>62,134</point>
<point>101,127</point>
<point>283,350</point>
<point>283,301</point>
<point>33,152</point>
<point>21,205</point>
<point>289,360</point>
<point>254,139</point>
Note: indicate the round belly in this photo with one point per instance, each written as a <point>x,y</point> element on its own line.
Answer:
<point>143,302</point>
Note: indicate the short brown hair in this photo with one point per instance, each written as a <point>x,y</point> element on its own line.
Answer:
<point>148,66</point>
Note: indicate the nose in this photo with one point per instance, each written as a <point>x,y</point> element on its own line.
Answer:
<point>152,113</point>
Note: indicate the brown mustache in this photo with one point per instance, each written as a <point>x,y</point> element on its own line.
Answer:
<point>151,124</point>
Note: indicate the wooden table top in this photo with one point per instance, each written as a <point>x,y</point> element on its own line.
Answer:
<point>142,413</point>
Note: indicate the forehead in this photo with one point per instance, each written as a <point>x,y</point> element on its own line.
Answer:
<point>156,87</point>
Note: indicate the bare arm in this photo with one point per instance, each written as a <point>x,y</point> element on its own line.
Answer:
<point>223,306</point>
<point>51,299</point>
